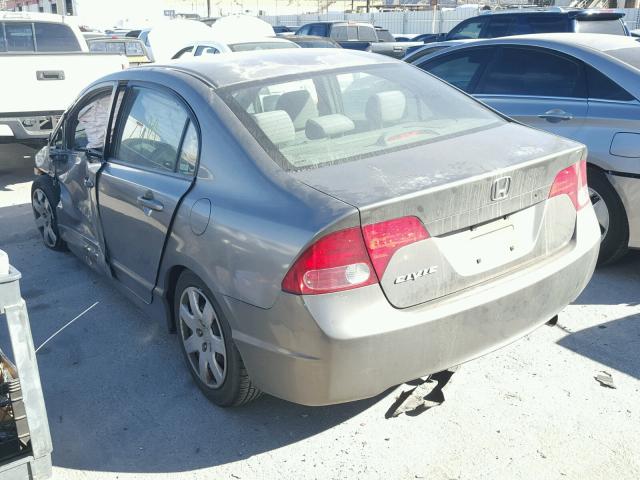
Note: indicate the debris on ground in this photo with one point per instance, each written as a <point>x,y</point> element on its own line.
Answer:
<point>425,394</point>
<point>605,379</point>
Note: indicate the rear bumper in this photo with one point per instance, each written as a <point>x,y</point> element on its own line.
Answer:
<point>327,349</point>
<point>19,144</point>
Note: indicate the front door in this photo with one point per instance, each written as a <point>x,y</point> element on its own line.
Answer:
<point>150,167</point>
<point>85,129</point>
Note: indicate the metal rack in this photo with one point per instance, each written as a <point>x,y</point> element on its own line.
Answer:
<point>25,442</point>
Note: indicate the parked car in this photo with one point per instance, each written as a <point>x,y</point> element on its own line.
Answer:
<point>132,48</point>
<point>503,23</point>
<point>210,47</point>
<point>582,86</point>
<point>45,63</point>
<point>357,36</point>
<point>310,41</point>
<point>317,224</point>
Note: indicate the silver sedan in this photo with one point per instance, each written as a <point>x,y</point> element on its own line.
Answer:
<point>317,224</point>
<point>582,86</point>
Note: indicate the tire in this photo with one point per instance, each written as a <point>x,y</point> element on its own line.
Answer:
<point>44,198</point>
<point>202,333</point>
<point>611,216</point>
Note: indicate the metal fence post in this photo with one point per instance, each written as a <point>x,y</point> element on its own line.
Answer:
<point>37,465</point>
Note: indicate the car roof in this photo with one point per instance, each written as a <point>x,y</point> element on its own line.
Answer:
<point>594,41</point>
<point>581,12</point>
<point>224,70</point>
<point>237,41</point>
<point>302,38</point>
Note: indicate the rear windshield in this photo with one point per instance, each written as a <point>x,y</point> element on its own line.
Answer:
<point>613,27</point>
<point>385,36</point>
<point>324,118</point>
<point>630,55</point>
<point>37,36</point>
<point>246,47</point>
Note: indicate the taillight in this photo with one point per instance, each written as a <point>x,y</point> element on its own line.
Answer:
<point>385,238</point>
<point>572,181</point>
<point>336,262</point>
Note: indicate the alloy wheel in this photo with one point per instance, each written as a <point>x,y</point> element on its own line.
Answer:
<point>202,337</point>
<point>602,211</point>
<point>45,219</point>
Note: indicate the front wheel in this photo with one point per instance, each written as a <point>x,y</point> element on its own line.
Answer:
<point>44,198</point>
<point>205,337</point>
<point>611,216</point>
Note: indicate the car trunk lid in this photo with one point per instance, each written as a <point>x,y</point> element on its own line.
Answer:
<point>482,198</point>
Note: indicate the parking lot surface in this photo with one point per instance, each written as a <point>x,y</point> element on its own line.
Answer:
<point>122,405</point>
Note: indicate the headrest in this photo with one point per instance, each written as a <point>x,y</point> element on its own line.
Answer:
<point>328,126</point>
<point>269,102</point>
<point>299,105</point>
<point>276,125</point>
<point>386,107</point>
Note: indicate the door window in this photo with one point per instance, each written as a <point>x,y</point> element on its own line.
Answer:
<point>304,30</point>
<point>470,29</point>
<point>153,124</point>
<point>189,151</point>
<point>542,24</point>
<point>499,26</point>
<point>317,29</point>
<point>19,37</point>
<point>532,72</point>
<point>368,34</point>
<point>205,50</point>
<point>602,88</point>
<point>3,44</point>
<point>55,37</point>
<point>185,52</point>
<point>460,69</point>
<point>91,123</point>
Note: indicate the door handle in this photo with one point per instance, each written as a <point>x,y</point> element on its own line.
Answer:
<point>149,203</point>
<point>50,75</point>
<point>556,114</point>
<point>88,183</point>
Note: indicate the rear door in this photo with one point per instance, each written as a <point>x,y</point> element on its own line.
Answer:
<point>537,87</point>
<point>150,168</point>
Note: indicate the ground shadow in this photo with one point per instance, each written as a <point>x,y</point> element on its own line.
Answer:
<point>615,344</point>
<point>617,284</point>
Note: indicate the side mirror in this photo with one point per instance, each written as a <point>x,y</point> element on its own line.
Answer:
<point>57,157</point>
<point>93,155</point>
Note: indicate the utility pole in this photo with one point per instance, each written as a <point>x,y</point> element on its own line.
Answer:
<point>63,7</point>
<point>208,8</point>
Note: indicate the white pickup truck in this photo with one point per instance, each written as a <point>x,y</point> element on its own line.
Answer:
<point>45,64</point>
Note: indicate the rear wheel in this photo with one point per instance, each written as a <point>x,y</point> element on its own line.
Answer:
<point>611,215</point>
<point>205,337</point>
<point>44,198</point>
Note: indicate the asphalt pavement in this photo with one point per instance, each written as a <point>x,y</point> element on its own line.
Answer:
<point>121,403</point>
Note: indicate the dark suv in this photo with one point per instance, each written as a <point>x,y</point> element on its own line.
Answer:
<point>522,22</point>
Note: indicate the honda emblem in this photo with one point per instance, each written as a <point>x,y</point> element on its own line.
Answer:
<point>500,188</point>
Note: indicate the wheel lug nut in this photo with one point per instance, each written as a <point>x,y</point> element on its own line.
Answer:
<point>199,332</point>
<point>204,347</point>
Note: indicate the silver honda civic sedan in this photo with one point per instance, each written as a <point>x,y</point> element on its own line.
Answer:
<point>582,86</point>
<point>318,225</point>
